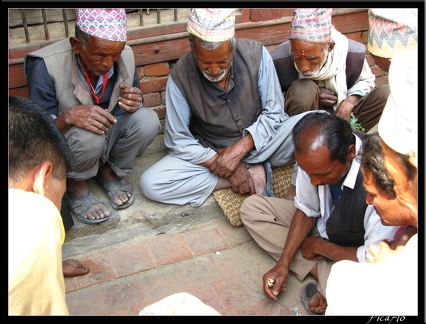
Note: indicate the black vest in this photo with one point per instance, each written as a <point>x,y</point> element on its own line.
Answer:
<point>345,226</point>
<point>218,117</point>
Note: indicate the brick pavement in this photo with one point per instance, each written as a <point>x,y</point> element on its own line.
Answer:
<point>218,263</point>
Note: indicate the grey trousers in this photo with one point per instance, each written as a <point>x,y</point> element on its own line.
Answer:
<point>119,147</point>
<point>268,221</point>
<point>175,181</point>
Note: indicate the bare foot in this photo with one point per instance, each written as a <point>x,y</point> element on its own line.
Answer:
<point>258,174</point>
<point>80,189</point>
<point>107,174</point>
<point>291,192</point>
<point>318,303</point>
<point>73,268</point>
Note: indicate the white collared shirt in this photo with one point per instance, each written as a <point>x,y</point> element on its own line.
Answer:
<point>316,201</point>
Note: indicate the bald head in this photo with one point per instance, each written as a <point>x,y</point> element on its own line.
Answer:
<point>318,129</point>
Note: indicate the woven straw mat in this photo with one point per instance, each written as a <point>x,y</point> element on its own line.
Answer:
<point>230,202</point>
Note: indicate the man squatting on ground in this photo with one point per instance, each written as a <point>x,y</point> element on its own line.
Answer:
<point>90,86</point>
<point>329,219</point>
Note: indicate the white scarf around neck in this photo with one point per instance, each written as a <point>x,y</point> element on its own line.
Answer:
<point>333,73</point>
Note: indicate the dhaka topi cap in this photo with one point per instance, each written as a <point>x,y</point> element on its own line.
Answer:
<point>104,23</point>
<point>311,25</point>
<point>212,25</point>
<point>391,30</point>
<point>398,125</point>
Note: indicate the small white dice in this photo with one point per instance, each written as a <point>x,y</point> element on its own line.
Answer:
<point>271,282</point>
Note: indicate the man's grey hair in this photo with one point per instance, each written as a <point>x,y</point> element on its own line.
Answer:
<point>211,46</point>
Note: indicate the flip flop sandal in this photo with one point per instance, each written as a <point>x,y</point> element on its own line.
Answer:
<point>79,206</point>
<point>308,291</point>
<point>269,189</point>
<point>112,188</point>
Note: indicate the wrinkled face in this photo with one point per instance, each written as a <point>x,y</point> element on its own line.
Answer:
<point>309,58</point>
<point>99,55</point>
<point>320,168</point>
<point>391,211</point>
<point>214,64</point>
<point>406,190</point>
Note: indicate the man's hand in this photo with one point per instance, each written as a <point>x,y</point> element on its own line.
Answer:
<point>327,97</point>
<point>225,163</point>
<point>383,253</point>
<point>310,245</point>
<point>92,118</point>
<point>228,159</point>
<point>241,181</point>
<point>131,98</point>
<point>346,107</point>
<point>278,276</point>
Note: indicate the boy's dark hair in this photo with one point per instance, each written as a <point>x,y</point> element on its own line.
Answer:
<point>33,139</point>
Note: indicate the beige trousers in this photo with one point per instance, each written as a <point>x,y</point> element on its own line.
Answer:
<point>268,221</point>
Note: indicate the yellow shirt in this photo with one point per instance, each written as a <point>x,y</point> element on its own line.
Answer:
<point>36,234</point>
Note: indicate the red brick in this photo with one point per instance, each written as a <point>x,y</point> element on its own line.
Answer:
<point>111,297</point>
<point>170,249</point>
<point>151,99</point>
<point>128,259</point>
<point>207,295</point>
<point>121,312</point>
<point>20,92</point>
<point>200,271</point>
<point>99,272</point>
<point>17,76</point>
<point>139,71</point>
<point>381,81</point>
<point>210,241</point>
<point>234,236</point>
<point>268,14</point>
<point>163,97</point>
<point>161,111</point>
<point>377,71</point>
<point>238,293</point>
<point>154,85</point>
<point>70,284</point>
<point>364,37</point>
<point>354,36</point>
<point>370,60</point>
<point>158,69</point>
<point>264,307</point>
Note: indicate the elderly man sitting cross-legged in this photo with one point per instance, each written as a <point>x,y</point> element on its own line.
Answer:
<point>225,123</point>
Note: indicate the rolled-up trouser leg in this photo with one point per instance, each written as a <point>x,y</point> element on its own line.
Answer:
<point>268,221</point>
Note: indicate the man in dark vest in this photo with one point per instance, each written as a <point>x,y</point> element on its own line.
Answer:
<point>225,122</point>
<point>329,219</point>
<point>320,68</point>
